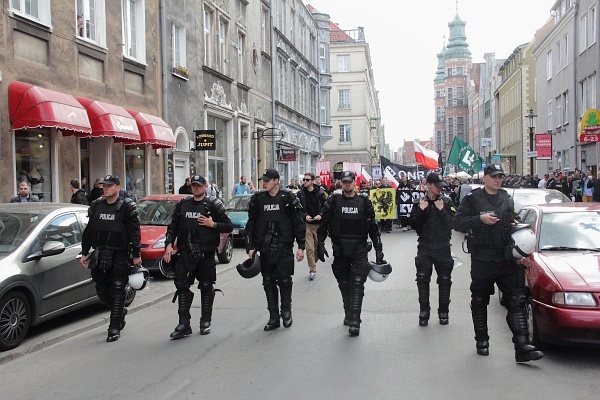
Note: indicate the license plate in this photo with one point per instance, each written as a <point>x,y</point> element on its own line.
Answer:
<point>236,231</point>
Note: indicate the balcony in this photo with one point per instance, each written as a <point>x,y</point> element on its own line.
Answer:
<point>352,35</point>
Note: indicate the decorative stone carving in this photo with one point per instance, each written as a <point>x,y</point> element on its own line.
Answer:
<point>243,109</point>
<point>314,144</point>
<point>217,95</point>
<point>241,22</point>
<point>259,114</point>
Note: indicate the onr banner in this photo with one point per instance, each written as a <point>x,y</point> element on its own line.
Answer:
<point>384,203</point>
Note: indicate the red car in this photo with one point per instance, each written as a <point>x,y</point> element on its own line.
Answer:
<point>155,216</point>
<point>563,273</point>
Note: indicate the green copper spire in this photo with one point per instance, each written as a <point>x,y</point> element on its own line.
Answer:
<point>441,73</point>
<point>457,42</point>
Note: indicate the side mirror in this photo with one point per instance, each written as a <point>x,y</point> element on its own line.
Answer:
<point>50,248</point>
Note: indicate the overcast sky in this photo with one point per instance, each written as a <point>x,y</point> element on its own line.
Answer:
<point>405,36</point>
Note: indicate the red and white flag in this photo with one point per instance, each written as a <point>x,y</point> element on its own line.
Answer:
<point>427,158</point>
<point>365,175</point>
<point>389,174</point>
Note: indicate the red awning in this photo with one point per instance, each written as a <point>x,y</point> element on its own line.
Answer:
<point>109,120</point>
<point>35,107</point>
<point>153,130</point>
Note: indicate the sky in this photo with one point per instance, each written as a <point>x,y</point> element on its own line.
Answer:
<point>405,37</point>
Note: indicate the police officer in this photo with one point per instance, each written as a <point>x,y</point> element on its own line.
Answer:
<point>113,227</point>
<point>431,217</point>
<point>197,223</point>
<point>487,214</point>
<point>349,218</point>
<point>274,221</point>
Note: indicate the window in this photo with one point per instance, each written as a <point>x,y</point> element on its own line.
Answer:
<point>592,95</point>
<point>449,72</point>
<point>566,51</point>
<point>486,110</point>
<point>281,15</point>
<point>322,58</point>
<point>592,15</point>
<point>450,127</point>
<point>135,171</point>
<point>558,111</point>
<point>302,93</point>
<point>460,96</point>
<point>323,107</point>
<point>460,125</point>
<point>240,58</point>
<point>36,10</point>
<point>449,97</point>
<point>460,71</point>
<point>583,94</point>
<point>208,15</point>
<point>582,33</point>
<point>222,54</point>
<point>179,55</point>
<point>550,122</point>
<point>344,99</point>
<point>282,79</point>
<point>565,103</point>
<point>33,163</point>
<point>345,134</point>
<point>343,63</point>
<point>558,58</point>
<point>91,21</point>
<point>264,30</point>
<point>134,30</point>
<point>549,65</point>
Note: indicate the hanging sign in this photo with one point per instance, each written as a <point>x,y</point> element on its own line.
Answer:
<point>286,155</point>
<point>590,126</point>
<point>206,139</point>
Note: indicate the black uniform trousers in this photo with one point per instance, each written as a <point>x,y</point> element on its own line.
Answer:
<point>111,283</point>
<point>351,267</point>
<point>425,261</point>
<point>509,277</point>
<point>277,271</point>
<point>186,272</point>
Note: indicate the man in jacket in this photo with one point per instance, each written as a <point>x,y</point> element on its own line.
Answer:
<point>312,198</point>
<point>431,217</point>
<point>78,196</point>
<point>24,196</point>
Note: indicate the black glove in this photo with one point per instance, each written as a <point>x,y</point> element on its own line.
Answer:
<point>321,252</point>
<point>379,255</point>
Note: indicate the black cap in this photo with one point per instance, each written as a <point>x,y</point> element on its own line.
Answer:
<point>111,180</point>
<point>199,180</point>
<point>269,174</point>
<point>436,180</point>
<point>493,169</point>
<point>347,176</point>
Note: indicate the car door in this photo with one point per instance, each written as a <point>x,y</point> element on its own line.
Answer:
<point>60,279</point>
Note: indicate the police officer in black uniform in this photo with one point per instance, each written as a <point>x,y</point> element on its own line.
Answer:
<point>349,218</point>
<point>487,215</point>
<point>431,217</point>
<point>274,221</point>
<point>197,223</point>
<point>113,227</point>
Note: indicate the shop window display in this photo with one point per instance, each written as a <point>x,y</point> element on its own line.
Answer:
<point>33,163</point>
<point>135,175</point>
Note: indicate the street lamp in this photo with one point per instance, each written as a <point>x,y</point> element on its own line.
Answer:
<point>531,117</point>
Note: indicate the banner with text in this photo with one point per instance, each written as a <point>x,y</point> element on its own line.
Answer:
<point>323,168</point>
<point>543,146</point>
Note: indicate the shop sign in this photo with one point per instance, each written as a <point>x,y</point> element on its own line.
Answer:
<point>206,139</point>
<point>590,126</point>
<point>543,146</point>
<point>285,155</point>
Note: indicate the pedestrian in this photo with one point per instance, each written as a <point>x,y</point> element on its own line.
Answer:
<point>543,182</point>
<point>349,218</point>
<point>312,198</point>
<point>596,190</point>
<point>196,225</point>
<point>431,217</point>
<point>83,184</point>
<point>113,229</point>
<point>251,188</point>
<point>78,196</point>
<point>588,187</point>
<point>293,185</point>
<point>24,196</point>
<point>274,221</point>
<point>487,214</point>
<point>241,187</point>
<point>186,188</point>
<point>212,190</point>
<point>96,190</point>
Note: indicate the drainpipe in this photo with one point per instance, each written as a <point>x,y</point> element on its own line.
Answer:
<point>273,68</point>
<point>163,49</point>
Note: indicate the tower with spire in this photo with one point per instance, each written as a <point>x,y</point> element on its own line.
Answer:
<point>450,86</point>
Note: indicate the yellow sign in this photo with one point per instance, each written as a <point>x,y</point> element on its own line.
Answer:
<point>384,202</point>
<point>590,122</point>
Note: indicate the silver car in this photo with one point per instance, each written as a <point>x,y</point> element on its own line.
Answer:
<point>40,274</point>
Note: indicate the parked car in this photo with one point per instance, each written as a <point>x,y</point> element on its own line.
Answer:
<point>40,274</point>
<point>155,216</point>
<point>237,209</point>
<point>529,196</point>
<point>563,273</point>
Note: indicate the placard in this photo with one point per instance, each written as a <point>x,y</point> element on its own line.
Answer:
<point>206,139</point>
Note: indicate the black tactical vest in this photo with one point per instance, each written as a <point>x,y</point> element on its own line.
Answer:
<point>491,239</point>
<point>190,231</point>
<point>109,225</point>
<point>349,219</point>
<point>272,214</point>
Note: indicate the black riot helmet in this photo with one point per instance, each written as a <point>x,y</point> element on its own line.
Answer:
<point>249,268</point>
<point>168,268</point>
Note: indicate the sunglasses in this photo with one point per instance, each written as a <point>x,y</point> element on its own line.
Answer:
<point>307,180</point>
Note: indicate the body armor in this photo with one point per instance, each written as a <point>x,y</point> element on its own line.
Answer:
<point>350,219</point>
<point>274,219</point>
<point>191,234</point>
<point>109,227</point>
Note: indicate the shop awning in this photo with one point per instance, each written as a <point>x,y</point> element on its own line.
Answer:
<point>109,120</point>
<point>153,130</point>
<point>35,107</point>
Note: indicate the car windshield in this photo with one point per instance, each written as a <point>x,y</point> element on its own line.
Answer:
<point>524,198</point>
<point>578,230</point>
<point>14,228</point>
<point>238,204</point>
<point>156,212</point>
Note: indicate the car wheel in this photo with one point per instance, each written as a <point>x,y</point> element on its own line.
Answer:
<point>15,319</point>
<point>129,295</point>
<point>531,323</point>
<point>227,253</point>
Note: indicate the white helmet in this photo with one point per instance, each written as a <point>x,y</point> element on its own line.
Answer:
<point>380,272</point>
<point>522,241</point>
<point>138,278</point>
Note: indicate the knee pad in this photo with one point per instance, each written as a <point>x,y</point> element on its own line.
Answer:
<point>181,282</point>
<point>423,276</point>
<point>517,299</point>
<point>118,285</point>
<point>357,280</point>
<point>480,301</point>
<point>205,286</point>
<point>444,280</point>
<point>268,280</point>
<point>284,281</point>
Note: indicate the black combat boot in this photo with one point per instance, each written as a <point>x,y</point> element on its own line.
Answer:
<point>285,288</point>
<point>117,312</point>
<point>207,297</point>
<point>272,302</point>
<point>444,285</point>
<point>183,329</point>
<point>356,298</point>
<point>479,314</point>
<point>423,288</point>
<point>524,351</point>
<point>345,290</point>
<point>423,318</point>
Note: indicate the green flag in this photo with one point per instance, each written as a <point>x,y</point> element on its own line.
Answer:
<point>464,157</point>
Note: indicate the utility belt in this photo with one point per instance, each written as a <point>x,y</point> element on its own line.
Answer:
<point>194,255</point>
<point>102,257</point>
<point>347,246</point>
<point>269,245</point>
